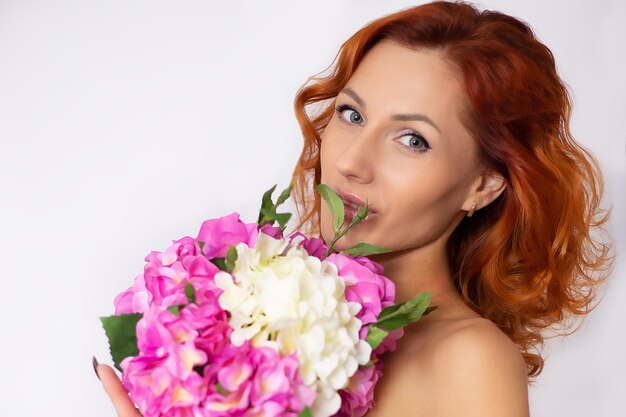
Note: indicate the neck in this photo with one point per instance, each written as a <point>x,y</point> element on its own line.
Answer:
<point>416,270</point>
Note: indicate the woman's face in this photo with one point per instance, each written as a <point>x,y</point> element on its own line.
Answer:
<point>396,139</point>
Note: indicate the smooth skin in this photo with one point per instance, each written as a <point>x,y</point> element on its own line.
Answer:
<point>422,174</point>
<point>112,384</point>
<point>422,177</point>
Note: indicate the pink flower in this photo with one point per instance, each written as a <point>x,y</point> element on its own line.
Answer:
<point>212,324</point>
<point>357,398</point>
<point>187,365</point>
<point>162,377</point>
<point>389,344</point>
<point>134,299</point>
<point>365,284</point>
<point>272,231</point>
<point>314,246</point>
<point>248,381</point>
<point>219,234</point>
<point>165,275</point>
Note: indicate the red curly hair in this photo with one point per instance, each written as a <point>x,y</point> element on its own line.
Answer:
<point>528,260</point>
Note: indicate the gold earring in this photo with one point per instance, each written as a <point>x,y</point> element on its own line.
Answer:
<point>471,212</point>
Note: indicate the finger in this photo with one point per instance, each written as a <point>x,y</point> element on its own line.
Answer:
<point>124,406</point>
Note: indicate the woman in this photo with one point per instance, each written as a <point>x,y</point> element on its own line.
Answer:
<point>454,125</point>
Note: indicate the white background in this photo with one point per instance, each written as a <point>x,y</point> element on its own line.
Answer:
<point>124,124</point>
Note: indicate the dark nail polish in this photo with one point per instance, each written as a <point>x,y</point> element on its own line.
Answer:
<point>95,366</point>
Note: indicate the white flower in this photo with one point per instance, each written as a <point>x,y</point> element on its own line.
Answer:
<point>281,297</point>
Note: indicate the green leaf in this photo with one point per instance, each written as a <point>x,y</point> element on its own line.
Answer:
<point>284,195</point>
<point>416,306</point>
<point>396,316</point>
<point>282,219</point>
<point>266,201</point>
<point>267,205</point>
<point>364,249</point>
<point>394,322</point>
<point>388,310</point>
<point>375,336</point>
<point>220,263</point>
<point>190,293</point>
<point>219,388</point>
<point>306,412</point>
<point>335,204</point>
<point>231,258</point>
<point>175,310</point>
<point>268,214</point>
<point>417,310</point>
<point>200,244</point>
<point>412,308</point>
<point>121,332</point>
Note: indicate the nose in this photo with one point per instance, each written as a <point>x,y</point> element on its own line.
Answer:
<point>356,159</point>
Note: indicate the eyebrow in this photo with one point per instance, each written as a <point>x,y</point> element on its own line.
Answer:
<point>400,117</point>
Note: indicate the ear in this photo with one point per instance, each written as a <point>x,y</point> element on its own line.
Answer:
<point>487,187</point>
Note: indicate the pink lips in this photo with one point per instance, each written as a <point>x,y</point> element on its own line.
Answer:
<point>351,198</point>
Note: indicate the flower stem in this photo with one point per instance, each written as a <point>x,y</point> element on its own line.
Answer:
<point>360,216</point>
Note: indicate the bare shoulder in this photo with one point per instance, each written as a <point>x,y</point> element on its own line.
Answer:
<point>482,373</point>
<point>485,343</point>
<point>459,368</point>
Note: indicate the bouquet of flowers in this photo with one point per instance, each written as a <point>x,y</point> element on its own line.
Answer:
<point>244,321</point>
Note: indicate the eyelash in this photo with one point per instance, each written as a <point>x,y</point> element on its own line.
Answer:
<point>342,107</point>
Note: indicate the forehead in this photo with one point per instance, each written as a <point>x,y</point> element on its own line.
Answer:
<point>394,78</point>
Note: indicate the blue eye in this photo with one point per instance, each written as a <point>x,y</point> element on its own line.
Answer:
<point>353,117</point>
<point>414,141</point>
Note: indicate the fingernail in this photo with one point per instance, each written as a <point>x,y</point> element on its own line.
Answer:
<point>95,366</point>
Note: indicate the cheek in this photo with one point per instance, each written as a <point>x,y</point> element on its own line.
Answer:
<point>326,228</point>
<point>326,161</point>
<point>328,148</point>
<point>420,206</point>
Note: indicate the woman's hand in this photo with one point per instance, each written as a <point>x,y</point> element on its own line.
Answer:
<point>124,406</point>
